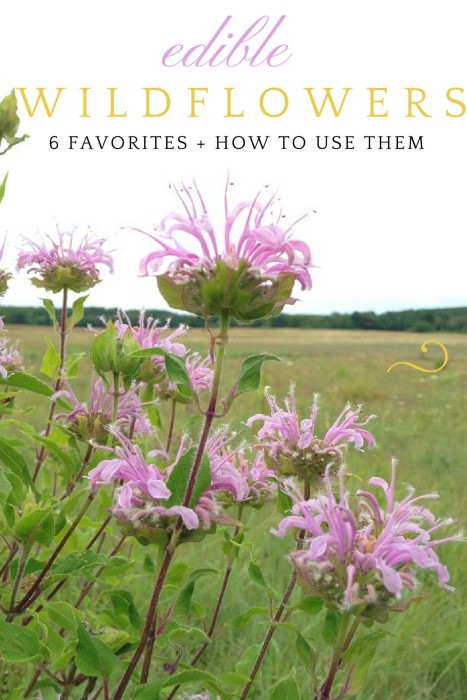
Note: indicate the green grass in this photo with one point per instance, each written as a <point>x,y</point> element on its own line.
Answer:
<point>421,419</point>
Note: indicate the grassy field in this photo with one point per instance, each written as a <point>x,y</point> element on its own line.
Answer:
<point>421,419</point>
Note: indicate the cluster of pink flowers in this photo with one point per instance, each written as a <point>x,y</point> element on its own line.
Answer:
<point>359,556</point>
<point>64,263</point>
<point>292,446</point>
<point>141,496</point>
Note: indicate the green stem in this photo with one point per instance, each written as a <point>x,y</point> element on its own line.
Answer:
<point>170,551</point>
<point>220,598</point>
<point>24,553</point>
<point>280,610</point>
<point>339,646</point>
<point>116,398</point>
<point>58,382</point>
<point>217,608</point>
<point>171,425</point>
<point>152,636</point>
<point>72,485</point>
<point>9,559</point>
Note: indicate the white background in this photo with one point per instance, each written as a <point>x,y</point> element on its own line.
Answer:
<point>389,230</point>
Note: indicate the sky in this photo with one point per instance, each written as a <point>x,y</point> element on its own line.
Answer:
<point>386,227</point>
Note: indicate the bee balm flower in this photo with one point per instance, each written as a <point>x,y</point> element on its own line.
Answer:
<point>291,445</point>
<point>63,263</point>
<point>360,556</point>
<point>250,274</point>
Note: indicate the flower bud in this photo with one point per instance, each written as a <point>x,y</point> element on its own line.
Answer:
<point>4,279</point>
<point>112,353</point>
<point>9,121</point>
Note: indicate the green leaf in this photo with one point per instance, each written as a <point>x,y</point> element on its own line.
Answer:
<point>93,657</point>
<point>16,462</point>
<point>63,614</point>
<point>77,312</point>
<point>357,675</point>
<point>124,607</point>
<point>183,605</point>
<point>232,679</point>
<point>243,619</point>
<point>250,372</point>
<point>51,361</point>
<point>284,502</point>
<point>72,364</point>
<point>36,526</point>
<point>331,623</point>
<point>2,187</point>
<point>203,571</point>
<point>174,365</point>
<point>18,643</point>
<point>247,659</point>
<point>306,653</point>
<point>176,372</point>
<point>287,689</point>
<point>177,573</point>
<point>184,634</point>
<point>310,605</point>
<point>22,380</point>
<point>180,476</point>
<point>75,563</point>
<point>50,308</point>
<point>208,680</point>
<point>150,691</point>
<point>256,575</point>
<point>63,456</point>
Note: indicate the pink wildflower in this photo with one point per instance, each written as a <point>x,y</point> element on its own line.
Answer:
<point>64,264</point>
<point>261,480</point>
<point>251,272</point>
<point>90,420</point>
<point>11,358</point>
<point>140,499</point>
<point>149,334</point>
<point>292,445</point>
<point>224,473</point>
<point>361,556</point>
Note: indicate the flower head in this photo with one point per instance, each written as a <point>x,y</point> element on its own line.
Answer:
<point>63,263</point>
<point>142,497</point>
<point>360,556</point>
<point>90,421</point>
<point>250,273</point>
<point>292,446</point>
<point>10,357</point>
<point>260,479</point>
<point>149,334</point>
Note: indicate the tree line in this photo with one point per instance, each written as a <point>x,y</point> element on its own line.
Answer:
<point>453,320</point>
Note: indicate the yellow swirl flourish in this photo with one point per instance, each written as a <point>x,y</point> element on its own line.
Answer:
<point>424,349</point>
